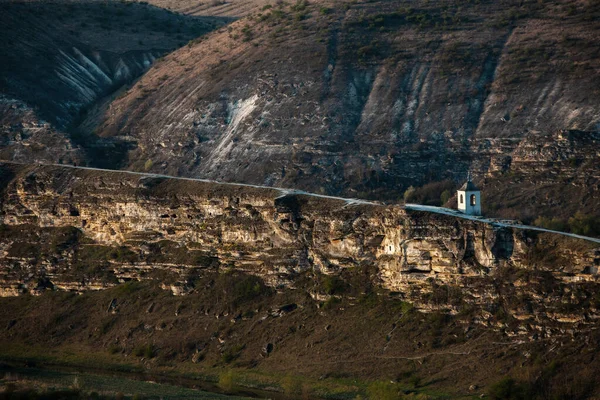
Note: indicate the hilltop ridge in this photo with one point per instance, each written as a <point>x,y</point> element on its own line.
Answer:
<point>349,98</point>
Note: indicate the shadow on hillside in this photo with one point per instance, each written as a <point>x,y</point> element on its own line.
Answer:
<point>62,57</point>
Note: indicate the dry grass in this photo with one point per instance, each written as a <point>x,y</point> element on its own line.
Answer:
<point>347,341</point>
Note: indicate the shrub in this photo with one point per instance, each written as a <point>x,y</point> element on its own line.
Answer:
<point>227,380</point>
<point>300,5</point>
<point>554,224</point>
<point>383,391</point>
<point>128,288</point>
<point>232,353</point>
<point>582,224</point>
<point>149,163</point>
<point>242,288</point>
<point>409,194</point>
<point>508,389</point>
<point>445,196</point>
<point>247,32</point>
<point>431,194</point>
<point>146,351</point>
<point>333,284</point>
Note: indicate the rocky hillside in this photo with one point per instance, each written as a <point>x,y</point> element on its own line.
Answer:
<point>98,229</point>
<point>62,58</point>
<point>358,98</point>
<point>367,98</point>
<point>277,277</point>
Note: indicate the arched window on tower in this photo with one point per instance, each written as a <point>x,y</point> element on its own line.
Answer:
<point>473,200</point>
<point>461,199</point>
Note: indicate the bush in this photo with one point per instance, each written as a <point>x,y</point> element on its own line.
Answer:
<point>508,389</point>
<point>248,288</point>
<point>409,194</point>
<point>383,391</point>
<point>300,5</point>
<point>582,224</point>
<point>232,353</point>
<point>227,380</point>
<point>554,224</point>
<point>431,194</point>
<point>149,163</point>
<point>445,196</point>
<point>128,288</point>
<point>333,285</point>
<point>146,351</point>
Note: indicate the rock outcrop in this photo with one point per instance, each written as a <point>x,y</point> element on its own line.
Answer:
<point>75,229</point>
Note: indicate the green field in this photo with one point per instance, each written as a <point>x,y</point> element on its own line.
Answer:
<point>88,385</point>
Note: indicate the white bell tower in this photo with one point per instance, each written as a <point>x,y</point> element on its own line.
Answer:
<point>469,198</point>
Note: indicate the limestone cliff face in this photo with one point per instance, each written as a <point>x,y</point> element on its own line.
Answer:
<point>179,226</point>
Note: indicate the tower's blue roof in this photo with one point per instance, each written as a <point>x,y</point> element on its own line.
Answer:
<point>469,187</point>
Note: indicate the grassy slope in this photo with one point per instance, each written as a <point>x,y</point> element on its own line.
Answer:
<point>227,326</point>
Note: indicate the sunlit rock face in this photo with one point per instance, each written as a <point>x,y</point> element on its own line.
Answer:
<point>83,230</point>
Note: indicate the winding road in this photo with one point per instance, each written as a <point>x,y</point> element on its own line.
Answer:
<point>348,201</point>
<point>492,221</point>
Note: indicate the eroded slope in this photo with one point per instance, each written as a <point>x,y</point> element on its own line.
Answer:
<point>59,58</point>
<point>367,98</point>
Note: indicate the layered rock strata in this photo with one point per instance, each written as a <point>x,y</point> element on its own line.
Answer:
<point>76,229</point>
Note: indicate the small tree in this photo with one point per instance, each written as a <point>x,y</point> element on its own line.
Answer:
<point>445,196</point>
<point>409,193</point>
<point>582,224</point>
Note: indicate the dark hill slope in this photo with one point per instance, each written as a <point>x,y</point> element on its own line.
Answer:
<point>61,57</point>
<point>229,8</point>
<point>365,99</point>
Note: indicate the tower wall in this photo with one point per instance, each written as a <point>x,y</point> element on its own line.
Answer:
<point>465,206</point>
